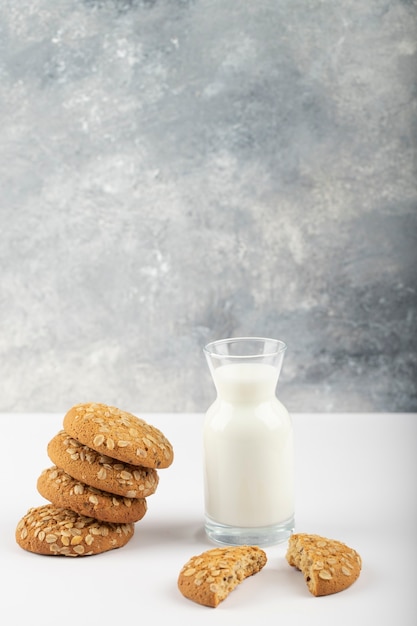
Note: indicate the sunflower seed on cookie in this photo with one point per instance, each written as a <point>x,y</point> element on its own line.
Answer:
<point>119,434</point>
<point>64,491</point>
<point>55,531</point>
<point>101,471</point>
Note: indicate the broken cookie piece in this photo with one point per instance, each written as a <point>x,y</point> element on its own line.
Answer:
<point>208,578</point>
<point>329,566</point>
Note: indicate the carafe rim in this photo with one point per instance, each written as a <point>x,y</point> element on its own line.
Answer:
<point>214,348</point>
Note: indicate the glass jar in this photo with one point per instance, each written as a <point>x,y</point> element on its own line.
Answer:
<point>248,445</point>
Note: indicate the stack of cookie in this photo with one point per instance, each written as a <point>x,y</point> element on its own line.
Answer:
<point>106,464</point>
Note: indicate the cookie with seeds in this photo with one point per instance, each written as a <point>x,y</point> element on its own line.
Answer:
<point>55,531</point>
<point>209,577</point>
<point>119,434</point>
<point>62,490</point>
<point>329,566</point>
<point>101,471</point>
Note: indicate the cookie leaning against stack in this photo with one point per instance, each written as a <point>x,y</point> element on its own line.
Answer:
<point>104,469</point>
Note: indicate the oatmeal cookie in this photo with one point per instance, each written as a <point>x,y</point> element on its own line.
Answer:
<point>55,485</point>
<point>119,434</point>
<point>99,470</point>
<point>208,578</point>
<point>55,531</point>
<point>328,565</point>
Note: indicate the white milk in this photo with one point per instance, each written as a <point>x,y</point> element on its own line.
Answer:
<point>248,449</point>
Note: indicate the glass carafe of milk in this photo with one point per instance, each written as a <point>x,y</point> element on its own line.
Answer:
<point>248,445</point>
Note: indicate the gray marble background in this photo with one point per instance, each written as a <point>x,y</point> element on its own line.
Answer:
<point>178,171</point>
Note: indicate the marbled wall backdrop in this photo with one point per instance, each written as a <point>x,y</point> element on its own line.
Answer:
<point>178,171</point>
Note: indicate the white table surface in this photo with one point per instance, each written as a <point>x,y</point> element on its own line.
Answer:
<point>355,482</point>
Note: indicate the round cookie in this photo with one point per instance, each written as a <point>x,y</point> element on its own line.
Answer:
<point>101,471</point>
<point>62,490</point>
<point>55,531</point>
<point>329,566</point>
<point>121,435</point>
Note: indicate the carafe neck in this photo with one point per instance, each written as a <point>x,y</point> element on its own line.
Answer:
<point>245,383</point>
